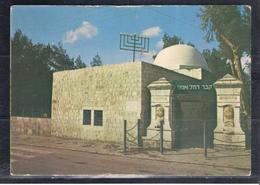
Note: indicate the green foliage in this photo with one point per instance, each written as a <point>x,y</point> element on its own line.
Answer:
<point>231,21</point>
<point>96,61</point>
<point>190,44</point>
<point>60,60</point>
<point>216,63</point>
<point>169,41</point>
<point>79,63</point>
<point>172,40</point>
<point>230,25</point>
<point>32,66</point>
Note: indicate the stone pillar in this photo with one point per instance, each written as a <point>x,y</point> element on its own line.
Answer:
<point>161,110</point>
<point>228,131</point>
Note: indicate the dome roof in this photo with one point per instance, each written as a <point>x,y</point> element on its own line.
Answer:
<point>178,56</point>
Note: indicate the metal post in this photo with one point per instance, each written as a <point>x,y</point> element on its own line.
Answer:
<point>134,43</point>
<point>125,124</point>
<point>205,139</point>
<point>161,137</point>
<point>134,49</point>
<point>22,112</point>
<point>139,139</point>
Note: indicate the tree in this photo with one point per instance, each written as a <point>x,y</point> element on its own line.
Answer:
<point>216,63</point>
<point>32,66</point>
<point>96,61</point>
<point>60,60</point>
<point>30,76</point>
<point>230,26</point>
<point>79,63</point>
<point>169,41</point>
<point>190,44</point>
<point>172,40</point>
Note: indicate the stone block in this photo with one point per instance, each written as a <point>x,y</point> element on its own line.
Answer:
<point>228,131</point>
<point>229,140</point>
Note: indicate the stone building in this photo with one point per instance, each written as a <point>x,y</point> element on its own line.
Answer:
<point>91,103</point>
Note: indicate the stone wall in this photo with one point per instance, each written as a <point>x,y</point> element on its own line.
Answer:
<point>114,89</point>
<point>151,73</point>
<point>119,90</point>
<point>30,126</point>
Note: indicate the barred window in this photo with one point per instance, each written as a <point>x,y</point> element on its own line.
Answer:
<point>86,117</point>
<point>98,117</point>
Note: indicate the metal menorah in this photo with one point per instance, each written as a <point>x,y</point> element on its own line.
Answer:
<point>133,42</point>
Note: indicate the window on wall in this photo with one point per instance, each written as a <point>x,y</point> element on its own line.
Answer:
<point>86,117</point>
<point>98,117</point>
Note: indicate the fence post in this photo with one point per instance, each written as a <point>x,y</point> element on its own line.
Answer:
<point>139,139</point>
<point>32,113</point>
<point>161,137</point>
<point>125,125</point>
<point>205,139</point>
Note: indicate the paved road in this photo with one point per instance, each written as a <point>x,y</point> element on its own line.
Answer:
<point>35,160</point>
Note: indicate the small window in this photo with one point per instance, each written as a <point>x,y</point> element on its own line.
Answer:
<point>86,117</point>
<point>98,117</point>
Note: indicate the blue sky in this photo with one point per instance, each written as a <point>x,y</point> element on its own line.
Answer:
<point>86,30</point>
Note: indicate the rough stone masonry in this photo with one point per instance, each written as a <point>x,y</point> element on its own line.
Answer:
<point>119,90</point>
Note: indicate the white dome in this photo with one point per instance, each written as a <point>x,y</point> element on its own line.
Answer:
<point>174,57</point>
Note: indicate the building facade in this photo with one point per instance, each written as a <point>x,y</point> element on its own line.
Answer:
<point>92,103</point>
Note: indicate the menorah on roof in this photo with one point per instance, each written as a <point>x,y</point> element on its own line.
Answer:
<point>133,42</point>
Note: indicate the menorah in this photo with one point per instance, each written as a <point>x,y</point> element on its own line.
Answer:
<point>133,42</point>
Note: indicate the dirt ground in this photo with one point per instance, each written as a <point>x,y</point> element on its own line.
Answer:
<point>35,155</point>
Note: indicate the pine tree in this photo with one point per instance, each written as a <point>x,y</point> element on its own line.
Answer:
<point>96,61</point>
<point>79,63</point>
<point>32,66</point>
